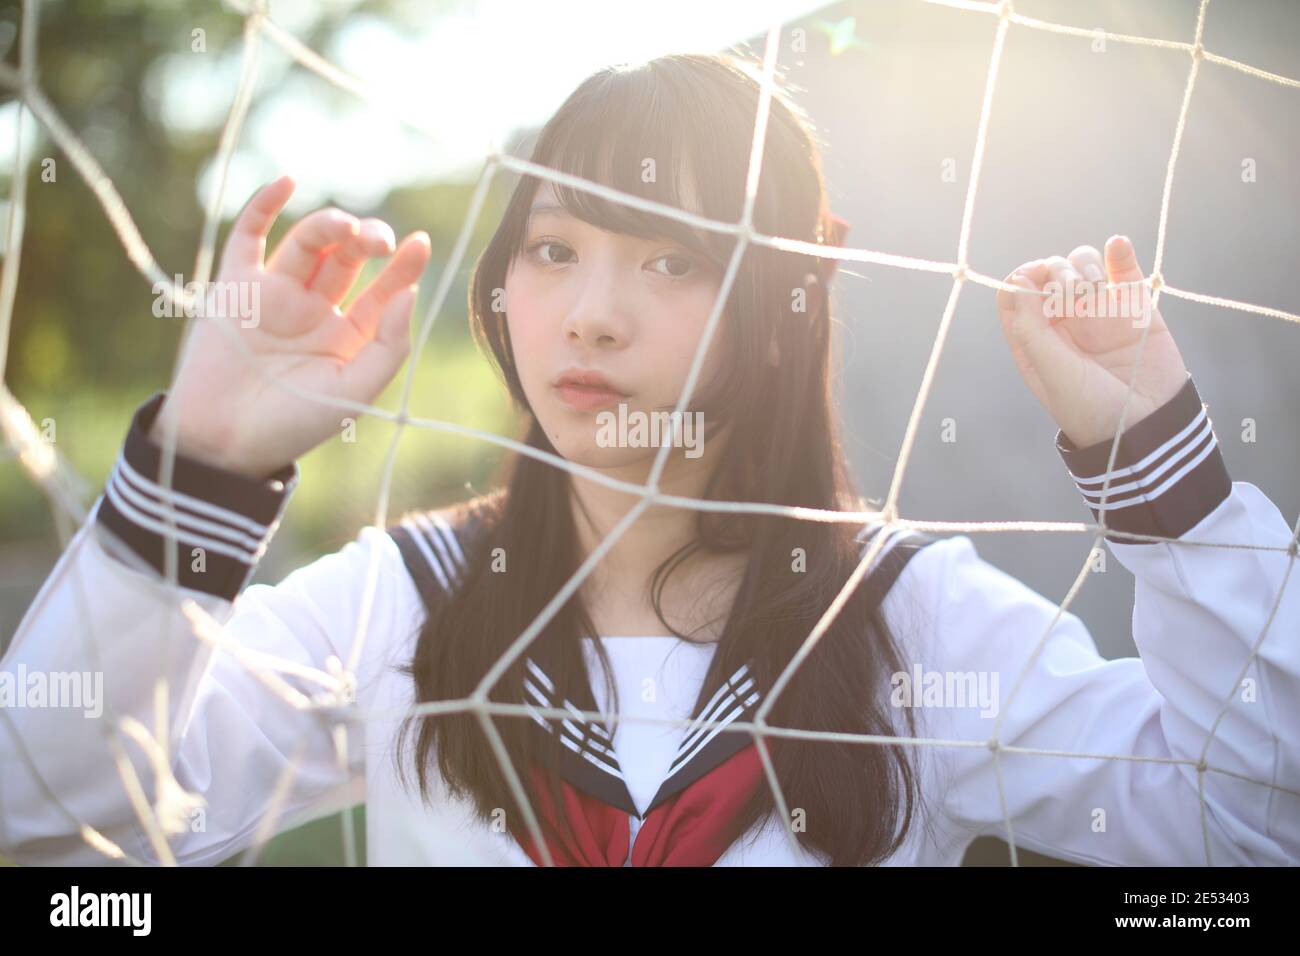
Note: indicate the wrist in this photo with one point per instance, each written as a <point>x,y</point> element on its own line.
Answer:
<point>213,453</point>
<point>213,519</point>
<point>1167,473</point>
<point>1082,435</point>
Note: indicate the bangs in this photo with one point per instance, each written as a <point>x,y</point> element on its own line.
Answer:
<point>633,129</point>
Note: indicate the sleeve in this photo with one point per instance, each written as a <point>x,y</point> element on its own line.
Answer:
<point>107,623</point>
<point>1109,761</point>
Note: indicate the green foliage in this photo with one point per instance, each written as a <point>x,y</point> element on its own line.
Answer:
<point>85,348</point>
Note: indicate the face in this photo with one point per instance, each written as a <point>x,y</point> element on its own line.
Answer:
<point>630,310</point>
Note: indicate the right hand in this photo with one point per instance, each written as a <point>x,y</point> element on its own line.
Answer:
<point>227,411</point>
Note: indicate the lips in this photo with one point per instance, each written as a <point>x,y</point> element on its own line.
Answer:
<point>586,390</point>
<point>589,378</point>
<point>585,398</point>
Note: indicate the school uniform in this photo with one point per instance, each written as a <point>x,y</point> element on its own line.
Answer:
<point>643,793</point>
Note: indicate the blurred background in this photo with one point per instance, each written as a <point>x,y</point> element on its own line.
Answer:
<point>1078,143</point>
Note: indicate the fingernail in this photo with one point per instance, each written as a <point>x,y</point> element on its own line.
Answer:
<point>1093,272</point>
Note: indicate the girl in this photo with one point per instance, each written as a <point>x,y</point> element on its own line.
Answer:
<point>690,617</point>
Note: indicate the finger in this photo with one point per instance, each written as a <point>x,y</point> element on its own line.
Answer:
<point>1033,275</point>
<point>1062,270</point>
<point>299,253</point>
<point>1006,300</point>
<point>1091,290</point>
<point>402,270</point>
<point>246,243</point>
<point>341,266</point>
<point>1036,271</point>
<point>1026,325</point>
<point>1087,262</point>
<point>375,364</point>
<point>1065,284</point>
<point>1009,302</point>
<point>1131,300</point>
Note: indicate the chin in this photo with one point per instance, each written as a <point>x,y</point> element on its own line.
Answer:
<point>576,442</point>
<point>584,451</point>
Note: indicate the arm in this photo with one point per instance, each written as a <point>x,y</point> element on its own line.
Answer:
<point>1216,660</point>
<point>218,731</point>
<point>105,609</point>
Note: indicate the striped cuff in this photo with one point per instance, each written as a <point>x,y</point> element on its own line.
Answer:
<point>1168,475</point>
<point>224,520</point>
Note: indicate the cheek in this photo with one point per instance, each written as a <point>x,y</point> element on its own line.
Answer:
<point>680,344</point>
<point>524,320</point>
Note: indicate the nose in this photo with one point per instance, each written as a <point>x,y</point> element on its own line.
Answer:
<point>598,317</point>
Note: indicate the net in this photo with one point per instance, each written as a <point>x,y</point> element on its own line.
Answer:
<point>158,814</point>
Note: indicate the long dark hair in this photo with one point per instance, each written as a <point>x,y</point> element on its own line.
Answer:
<point>692,112</point>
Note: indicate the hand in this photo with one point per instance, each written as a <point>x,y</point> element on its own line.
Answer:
<point>1077,354</point>
<point>228,412</point>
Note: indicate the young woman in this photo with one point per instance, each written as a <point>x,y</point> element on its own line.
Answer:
<point>691,616</point>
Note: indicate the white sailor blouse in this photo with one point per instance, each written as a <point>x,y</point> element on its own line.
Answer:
<point>1187,754</point>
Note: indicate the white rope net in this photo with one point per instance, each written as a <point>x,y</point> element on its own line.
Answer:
<point>57,480</point>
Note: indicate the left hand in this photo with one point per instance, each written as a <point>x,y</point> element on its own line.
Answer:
<point>1076,355</point>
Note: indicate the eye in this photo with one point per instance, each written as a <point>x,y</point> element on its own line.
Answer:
<point>682,261</point>
<point>536,249</point>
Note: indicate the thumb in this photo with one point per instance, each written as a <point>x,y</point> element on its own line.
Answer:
<point>1121,260</point>
<point>1133,301</point>
<point>365,376</point>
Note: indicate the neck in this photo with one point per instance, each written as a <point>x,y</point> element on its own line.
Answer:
<point>656,534</point>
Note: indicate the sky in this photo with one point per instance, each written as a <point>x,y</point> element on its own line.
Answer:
<point>478,71</point>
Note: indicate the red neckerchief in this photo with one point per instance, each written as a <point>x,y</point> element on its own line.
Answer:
<point>684,830</point>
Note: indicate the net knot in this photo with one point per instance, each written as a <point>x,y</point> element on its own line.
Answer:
<point>337,702</point>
